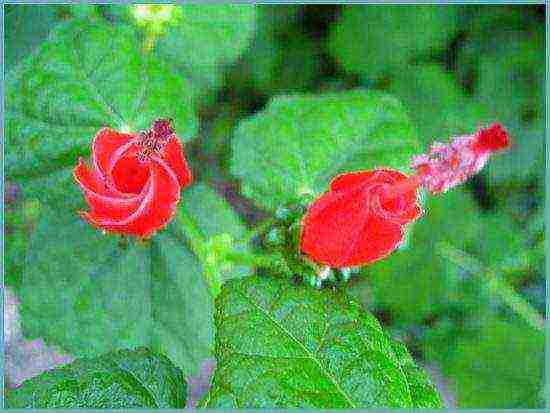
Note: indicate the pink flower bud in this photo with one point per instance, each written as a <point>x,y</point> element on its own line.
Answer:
<point>446,166</point>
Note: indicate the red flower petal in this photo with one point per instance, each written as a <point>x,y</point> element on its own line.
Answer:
<point>106,144</point>
<point>128,173</point>
<point>357,221</point>
<point>156,209</point>
<point>491,139</point>
<point>102,200</point>
<point>174,156</point>
<point>403,207</point>
<point>91,180</point>
<point>340,231</point>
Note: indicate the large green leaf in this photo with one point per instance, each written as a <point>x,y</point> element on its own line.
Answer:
<point>87,75</point>
<point>89,294</point>
<point>281,345</point>
<point>375,41</point>
<point>122,379</point>
<point>299,142</point>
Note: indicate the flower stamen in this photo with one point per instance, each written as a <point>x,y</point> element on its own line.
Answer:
<point>155,139</point>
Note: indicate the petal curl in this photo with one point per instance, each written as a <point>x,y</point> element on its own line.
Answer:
<point>102,200</point>
<point>339,230</point>
<point>91,180</point>
<point>106,144</point>
<point>128,174</point>
<point>157,208</point>
<point>402,209</point>
<point>175,157</point>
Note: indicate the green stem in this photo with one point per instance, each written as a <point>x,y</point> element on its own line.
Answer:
<point>252,259</point>
<point>193,234</point>
<point>495,284</point>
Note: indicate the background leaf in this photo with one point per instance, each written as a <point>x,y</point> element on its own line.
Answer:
<point>122,379</point>
<point>298,143</point>
<point>379,41</point>
<point>437,104</point>
<point>415,283</point>
<point>280,345</point>
<point>210,36</point>
<point>486,368</point>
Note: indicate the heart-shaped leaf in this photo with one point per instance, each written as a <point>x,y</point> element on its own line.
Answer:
<point>88,74</point>
<point>280,345</point>
<point>122,379</point>
<point>90,293</point>
<point>299,142</point>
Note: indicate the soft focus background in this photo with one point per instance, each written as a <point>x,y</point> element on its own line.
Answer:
<point>469,65</point>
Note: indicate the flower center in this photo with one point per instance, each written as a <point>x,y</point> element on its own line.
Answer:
<point>129,174</point>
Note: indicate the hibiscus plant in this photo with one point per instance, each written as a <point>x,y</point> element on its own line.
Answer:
<point>142,273</point>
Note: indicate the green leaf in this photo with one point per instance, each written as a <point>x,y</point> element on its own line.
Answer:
<point>122,379</point>
<point>198,40</point>
<point>281,57</point>
<point>205,38</point>
<point>280,345</point>
<point>90,294</point>
<point>299,142</point>
<point>378,41</point>
<point>87,75</point>
<point>500,367</point>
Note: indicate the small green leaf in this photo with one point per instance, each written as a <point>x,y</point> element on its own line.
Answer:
<point>299,142</point>
<point>122,379</point>
<point>88,74</point>
<point>280,345</point>
<point>83,291</point>
<point>377,41</point>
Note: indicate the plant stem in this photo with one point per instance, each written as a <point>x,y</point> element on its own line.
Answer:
<point>193,234</point>
<point>252,259</point>
<point>495,284</point>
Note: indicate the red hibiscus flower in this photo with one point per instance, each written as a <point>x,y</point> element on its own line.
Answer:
<point>360,219</point>
<point>134,184</point>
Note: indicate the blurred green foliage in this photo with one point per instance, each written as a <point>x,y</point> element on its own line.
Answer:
<point>226,74</point>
